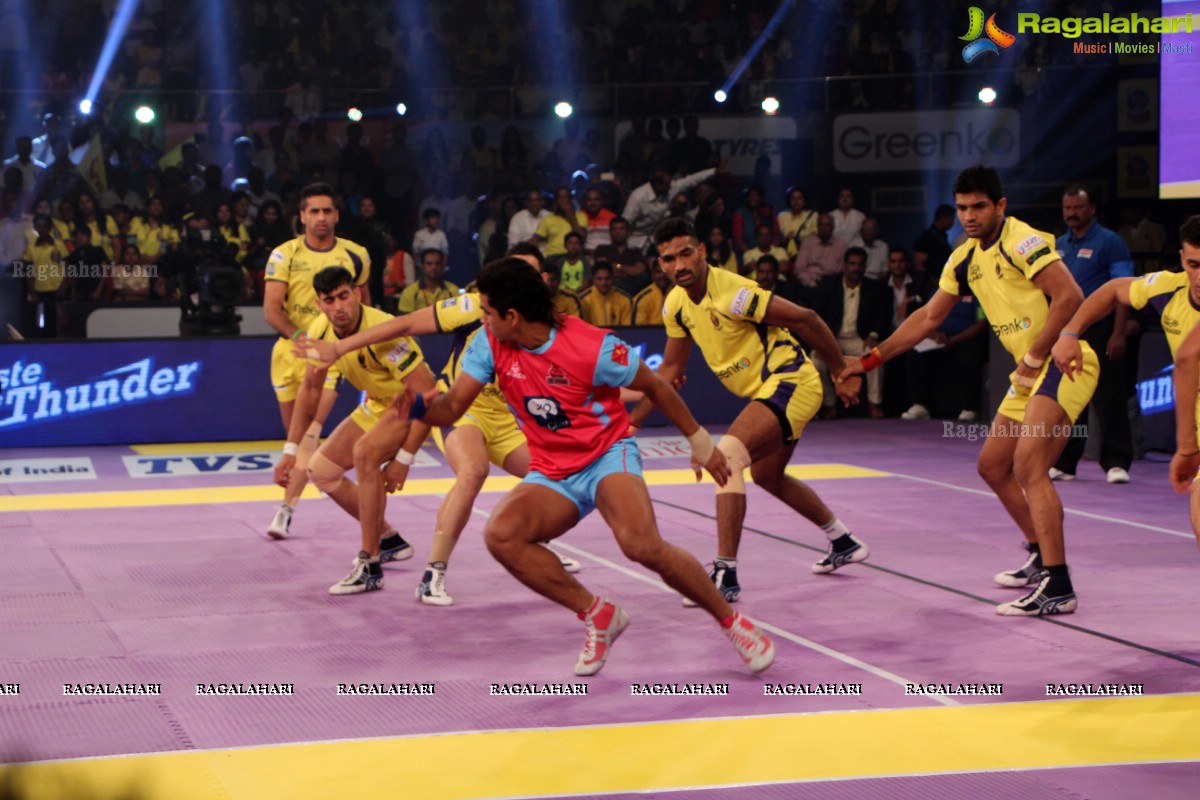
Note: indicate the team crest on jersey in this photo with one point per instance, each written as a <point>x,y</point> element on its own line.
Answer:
<point>620,354</point>
<point>514,372</point>
<point>547,413</point>
<point>716,321</point>
<point>556,377</point>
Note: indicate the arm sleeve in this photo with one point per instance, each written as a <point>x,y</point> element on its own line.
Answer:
<point>617,364</point>
<point>477,361</point>
<point>1147,286</point>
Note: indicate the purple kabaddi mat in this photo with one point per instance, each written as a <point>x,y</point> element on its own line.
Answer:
<point>181,595</point>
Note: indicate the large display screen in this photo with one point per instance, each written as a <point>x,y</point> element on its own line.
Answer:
<point>1179,157</point>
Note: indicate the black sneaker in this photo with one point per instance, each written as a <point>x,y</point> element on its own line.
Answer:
<point>1030,573</point>
<point>846,549</point>
<point>1040,603</point>
<point>393,548</point>
<point>725,579</point>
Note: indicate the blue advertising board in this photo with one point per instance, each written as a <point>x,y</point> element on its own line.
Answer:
<point>198,390</point>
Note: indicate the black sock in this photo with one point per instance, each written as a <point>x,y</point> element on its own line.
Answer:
<point>391,540</point>
<point>1033,547</point>
<point>843,543</point>
<point>1060,580</point>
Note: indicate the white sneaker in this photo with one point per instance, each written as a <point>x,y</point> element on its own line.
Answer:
<point>1057,474</point>
<point>432,589</point>
<point>916,411</point>
<point>967,416</point>
<point>361,579</point>
<point>1118,475</point>
<point>278,529</point>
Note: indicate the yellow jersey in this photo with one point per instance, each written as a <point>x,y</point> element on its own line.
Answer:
<point>45,262</point>
<point>416,296</point>
<point>153,241</point>
<point>727,324</point>
<point>648,306</point>
<point>554,229</point>
<point>295,264</point>
<point>378,369</point>
<point>567,304</point>
<point>606,311</point>
<point>1000,275</point>
<point>1167,293</point>
<point>464,316</point>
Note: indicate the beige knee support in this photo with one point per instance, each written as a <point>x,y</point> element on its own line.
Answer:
<point>324,474</point>
<point>738,458</point>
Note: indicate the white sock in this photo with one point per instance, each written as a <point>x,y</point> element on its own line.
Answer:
<point>729,562</point>
<point>834,529</point>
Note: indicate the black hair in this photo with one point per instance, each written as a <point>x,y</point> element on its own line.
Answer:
<point>901,251</point>
<point>330,278</point>
<point>854,251</point>
<point>527,249</point>
<point>1079,188</point>
<point>943,211</point>
<point>602,266</point>
<point>509,283</point>
<point>673,228</point>
<point>573,235</point>
<point>980,179</point>
<point>1189,232</point>
<point>315,190</point>
<point>421,255</point>
<point>430,212</point>
<point>768,259</point>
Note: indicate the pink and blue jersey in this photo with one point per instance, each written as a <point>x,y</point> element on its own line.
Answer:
<point>565,394</point>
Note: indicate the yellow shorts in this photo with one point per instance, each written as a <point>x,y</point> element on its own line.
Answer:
<point>794,398</point>
<point>287,372</point>
<point>498,426</point>
<point>368,413</point>
<point>1072,396</point>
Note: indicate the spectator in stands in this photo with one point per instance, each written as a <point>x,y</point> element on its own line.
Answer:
<point>42,148</point>
<point>767,276</point>
<point>847,220</point>
<point>712,214</point>
<point>31,168</point>
<point>603,304</point>
<point>431,289</point>
<point>747,219</point>
<point>60,178</point>
<point>932,249</point>
<point>877,249</point>
<point>130,280</point>
<point>564,302</point>
<point>765,236</point>
<point>554,227</point>
<point>858,313</point>
<point>401,271</point>
<point>648,303</point>
<point>85,265</point>
<point>647,204</point>
<point>628,262</point>
<point>819,256</point>
<point>399,167</point>
<point>102,225</point>
<point>524,224</point>
<point>719,250</point>
<point>1142,235</point>
<point>596,218</point>
<point>576,272</point>
<point>693,151</point>
<point>798,222</point>
<point>232,231</point>
<point>44,278</point>
<point>431,237</point>
<point>480,157</point>
<point>356,159</point>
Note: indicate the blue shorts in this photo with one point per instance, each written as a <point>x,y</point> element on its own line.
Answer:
<point>580,488</point>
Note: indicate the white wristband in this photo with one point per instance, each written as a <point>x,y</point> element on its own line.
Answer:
<point>1031,362</point>
<point>406,458</point>
<point>291,448</point>
<point>702,446</point>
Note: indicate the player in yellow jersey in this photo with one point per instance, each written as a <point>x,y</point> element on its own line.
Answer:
<point>486,433</point>
<point>1011,269</point>
<point>750,340</point>
<point>1175,297</point>
<point>290,306</point>
<point>373,433</point>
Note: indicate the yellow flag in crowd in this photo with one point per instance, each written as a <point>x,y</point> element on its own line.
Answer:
<point>91,167</point>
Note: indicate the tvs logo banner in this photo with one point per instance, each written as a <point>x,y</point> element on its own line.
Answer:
<point>996,40</point>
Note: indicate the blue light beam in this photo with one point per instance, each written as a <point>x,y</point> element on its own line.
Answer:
<point>776,20</point>
<point>112,41</point>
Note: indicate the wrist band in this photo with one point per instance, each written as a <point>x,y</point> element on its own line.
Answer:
<point>1068,333</point>
<point>291,448</point>
<point>296,333</point>
<point>406,458</point>
<point>872,360</point>
<point>418,407</point>
<point>702,446</point>
<point>1032,363</point>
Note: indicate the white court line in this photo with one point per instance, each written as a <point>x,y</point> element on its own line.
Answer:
<point>879,672</point>
<point>1087,514</point>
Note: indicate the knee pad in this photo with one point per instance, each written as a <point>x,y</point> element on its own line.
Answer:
<point>738,458</point>
<point>324,474</point>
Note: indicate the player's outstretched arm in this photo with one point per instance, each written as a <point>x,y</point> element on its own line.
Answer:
<point>417,323</point>
<point>1187,385</point>
<point>1066,352</point>
<point>667,400</point>
<point>917,326</point>
<point>437,409</point>
<point>675,358</point>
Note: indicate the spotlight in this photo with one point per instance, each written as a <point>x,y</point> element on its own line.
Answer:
<point>354,114</point>
<point>720,96</point>
<point>770,106</point>
<point>144,115</point>
<point>987,95</point>
<point>85,107</point>
<point>563,109</point>
<point>401,109</point>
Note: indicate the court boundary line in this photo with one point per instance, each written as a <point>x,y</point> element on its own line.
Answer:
<point>960,592</point>
<point>795,638</point>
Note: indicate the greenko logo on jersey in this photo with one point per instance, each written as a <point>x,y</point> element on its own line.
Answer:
<point>1009,328</point>
<point>996,40</point>
<point>734,369</point>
